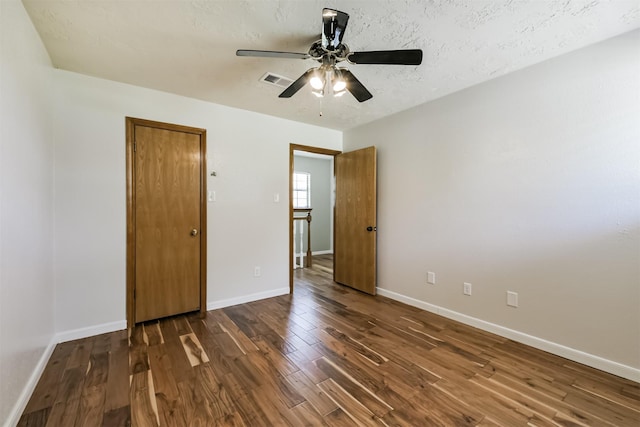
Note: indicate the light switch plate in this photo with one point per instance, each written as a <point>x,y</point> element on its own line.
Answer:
<point>431,277</point>
<point>512,299</point>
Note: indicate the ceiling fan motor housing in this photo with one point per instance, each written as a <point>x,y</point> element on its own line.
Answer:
<point>318,52</point>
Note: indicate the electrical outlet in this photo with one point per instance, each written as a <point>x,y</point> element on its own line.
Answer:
<point>512,299</point>
<point>466,288</point>
<point>256,272</point>
<point>276,197</point>
<point>431,277</point>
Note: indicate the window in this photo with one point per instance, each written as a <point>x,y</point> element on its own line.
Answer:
<point>301,190</point>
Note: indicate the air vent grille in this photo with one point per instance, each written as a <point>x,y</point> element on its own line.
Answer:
<point>274,79</point>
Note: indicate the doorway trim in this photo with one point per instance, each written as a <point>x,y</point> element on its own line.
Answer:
<point>131,123</point>
<point>309,149</point>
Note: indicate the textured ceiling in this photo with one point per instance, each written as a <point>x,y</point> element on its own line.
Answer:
<point>188,47</point>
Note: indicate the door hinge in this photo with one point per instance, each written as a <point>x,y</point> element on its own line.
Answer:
<point>134,293</point>
<point>134,146</point>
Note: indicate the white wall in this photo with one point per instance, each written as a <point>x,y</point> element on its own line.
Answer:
<point>249,152</point>
<point>26,205</point>
<point>529,183</point>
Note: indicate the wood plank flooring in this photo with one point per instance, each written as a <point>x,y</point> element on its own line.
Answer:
<point>326,356</point>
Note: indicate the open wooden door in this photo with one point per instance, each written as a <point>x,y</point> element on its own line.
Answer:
<point>355,220</point>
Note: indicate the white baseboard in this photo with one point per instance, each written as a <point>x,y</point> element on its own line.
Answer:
<point>322,252</point>
<point>214,305</point>
<point>30,386</point>
<point>597,362</point>
<point>90,331</point>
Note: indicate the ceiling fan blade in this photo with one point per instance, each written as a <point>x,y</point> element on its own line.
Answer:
<point>354,86</point>
<point>334,23</point>
<point>297,85</point>
<point>272,54</point>
<point>388,57</point>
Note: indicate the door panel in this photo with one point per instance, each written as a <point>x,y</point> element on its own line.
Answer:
<point>355,212</point>
<point>167,179</point>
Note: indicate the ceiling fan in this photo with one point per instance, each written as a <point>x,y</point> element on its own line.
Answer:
<point>329,51</point>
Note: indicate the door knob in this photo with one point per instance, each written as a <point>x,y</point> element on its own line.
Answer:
<point>370,228</point>
<point>194,232</point>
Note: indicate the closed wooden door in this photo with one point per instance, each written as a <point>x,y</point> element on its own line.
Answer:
<point>168,171</point>
<point>355,220</point>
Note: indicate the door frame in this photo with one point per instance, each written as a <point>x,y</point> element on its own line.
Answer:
<point>131,123</point>
<point>309,149</point>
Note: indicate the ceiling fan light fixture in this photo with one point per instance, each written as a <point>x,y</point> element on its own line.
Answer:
<point>318,92</point>
<point>339,85</point>
<point>317,81</point>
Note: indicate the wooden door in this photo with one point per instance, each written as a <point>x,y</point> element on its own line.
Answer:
<point>355,220</point>
<point>168,220</point>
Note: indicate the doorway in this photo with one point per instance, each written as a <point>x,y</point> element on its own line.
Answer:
<point>354,226</point>
<point>310,161</point>
<point>166,220</point>
<point>313,197</point>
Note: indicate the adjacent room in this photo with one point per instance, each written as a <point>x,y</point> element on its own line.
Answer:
<point>268,213</point>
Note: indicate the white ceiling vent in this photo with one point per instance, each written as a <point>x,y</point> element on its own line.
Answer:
<point>274,79</point>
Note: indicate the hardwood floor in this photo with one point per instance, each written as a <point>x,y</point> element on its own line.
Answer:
<point>327,355</point>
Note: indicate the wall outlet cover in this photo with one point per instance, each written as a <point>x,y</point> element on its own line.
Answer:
<point>466,289</point>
